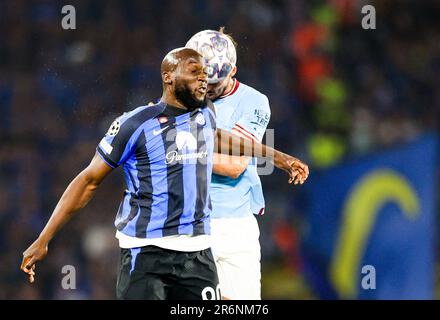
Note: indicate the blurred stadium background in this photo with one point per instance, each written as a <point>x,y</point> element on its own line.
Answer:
<point>362,107</point>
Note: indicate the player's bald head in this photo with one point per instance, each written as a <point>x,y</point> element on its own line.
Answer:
<point>184,78</point>
<point>178,56</point>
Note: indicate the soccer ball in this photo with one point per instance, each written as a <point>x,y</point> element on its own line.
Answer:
<point>218,51</point>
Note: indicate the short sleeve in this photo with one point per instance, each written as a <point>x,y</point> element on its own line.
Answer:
<point>252,123</point>
<point>118,143</point>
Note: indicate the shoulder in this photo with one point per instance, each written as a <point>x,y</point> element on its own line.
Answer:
<point>210,111</point>
<point>140,115</point>
<point>126,124</point>
<point>251,98</point>
<point>210,107</point>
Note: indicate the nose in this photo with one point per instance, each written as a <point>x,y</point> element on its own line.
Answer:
<point>204,74</point>
<point>203,77</point>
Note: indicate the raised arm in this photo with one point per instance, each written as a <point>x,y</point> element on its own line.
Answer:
<point>227,143</point>
<point>77,195</point>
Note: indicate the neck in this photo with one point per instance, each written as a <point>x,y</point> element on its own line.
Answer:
<point>229,87</point>
<point>170,98</point>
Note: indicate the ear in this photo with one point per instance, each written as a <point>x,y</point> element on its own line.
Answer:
<point>168,77</point>
<point>233,72</point>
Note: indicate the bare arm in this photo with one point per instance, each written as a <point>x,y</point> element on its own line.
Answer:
<point>77,195</point>
<point>227,143</point>
<point>229,166</point>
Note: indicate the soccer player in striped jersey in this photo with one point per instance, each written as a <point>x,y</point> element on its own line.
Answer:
<point>236,191</point>
<point>163,222</point>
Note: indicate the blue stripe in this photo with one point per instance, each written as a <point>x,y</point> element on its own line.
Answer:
<point>174,180</point>
<point>159,208</point>
<point>131,177</point>
<point>134,253</point>
<point>145,193</point>
<point>124,130</point>
<point>131,142</point>
<point>132,210</point>
<point>124,210</point>
<point>209,133</point>
<point>190,188</point>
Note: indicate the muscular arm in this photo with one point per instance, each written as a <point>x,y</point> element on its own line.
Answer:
<point>230,144</point>
<point>77,195</point>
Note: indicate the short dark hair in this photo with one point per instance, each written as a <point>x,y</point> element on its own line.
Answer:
<point>222,30</point>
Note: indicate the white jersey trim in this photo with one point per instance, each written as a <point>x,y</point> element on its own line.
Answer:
<point>182,242</point>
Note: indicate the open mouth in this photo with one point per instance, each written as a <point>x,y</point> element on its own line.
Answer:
<point>202,90</point>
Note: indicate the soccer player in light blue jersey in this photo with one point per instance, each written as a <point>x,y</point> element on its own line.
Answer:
<point>236,191</point>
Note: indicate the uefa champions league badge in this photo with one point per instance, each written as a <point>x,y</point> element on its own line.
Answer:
<point>200,119</point>
<point>114,128</point>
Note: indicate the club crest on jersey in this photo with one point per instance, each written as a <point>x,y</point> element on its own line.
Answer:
<point>163,119</point>
<point>114,128</point>
<point>185,139</point>
<point>200,119</point>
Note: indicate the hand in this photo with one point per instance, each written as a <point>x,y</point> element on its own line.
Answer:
<point>297,170</point>
<point>36,252</point>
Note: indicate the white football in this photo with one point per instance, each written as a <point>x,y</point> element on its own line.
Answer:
<point>218,50</point>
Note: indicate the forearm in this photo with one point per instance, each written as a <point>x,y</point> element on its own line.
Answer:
<point>77,195</point>
<point>231,144</point>
<point>229,166</point>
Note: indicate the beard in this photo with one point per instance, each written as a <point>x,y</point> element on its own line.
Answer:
<point>186,97</point>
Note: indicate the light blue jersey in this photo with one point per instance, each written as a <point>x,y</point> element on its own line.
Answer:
<point>246,112</point>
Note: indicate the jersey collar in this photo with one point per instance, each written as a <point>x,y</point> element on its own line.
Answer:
<point>234,89</point>
<point>173,111</point>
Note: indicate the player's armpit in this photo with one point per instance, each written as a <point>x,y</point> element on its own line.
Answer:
<point>97,170</point>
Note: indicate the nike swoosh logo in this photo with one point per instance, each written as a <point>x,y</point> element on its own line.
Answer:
<point>156,132</point>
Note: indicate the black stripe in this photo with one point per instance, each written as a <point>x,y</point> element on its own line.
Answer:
<point>106,158</point>
<point>145,187</point>
<point>201,180</point>
<point>121,205</point>
<point>132,181</point>
<point>172,111</point>
<point>175,182</point>
<point>211,106</point>
<point>212,120</point>
<point>133,212</point>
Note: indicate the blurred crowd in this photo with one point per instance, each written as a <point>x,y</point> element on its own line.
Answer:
<point>336,91</point>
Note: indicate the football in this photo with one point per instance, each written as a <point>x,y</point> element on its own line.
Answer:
<point>218,51</point>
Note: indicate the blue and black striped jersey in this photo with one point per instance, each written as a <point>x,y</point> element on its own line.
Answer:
<point>166,154</point>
